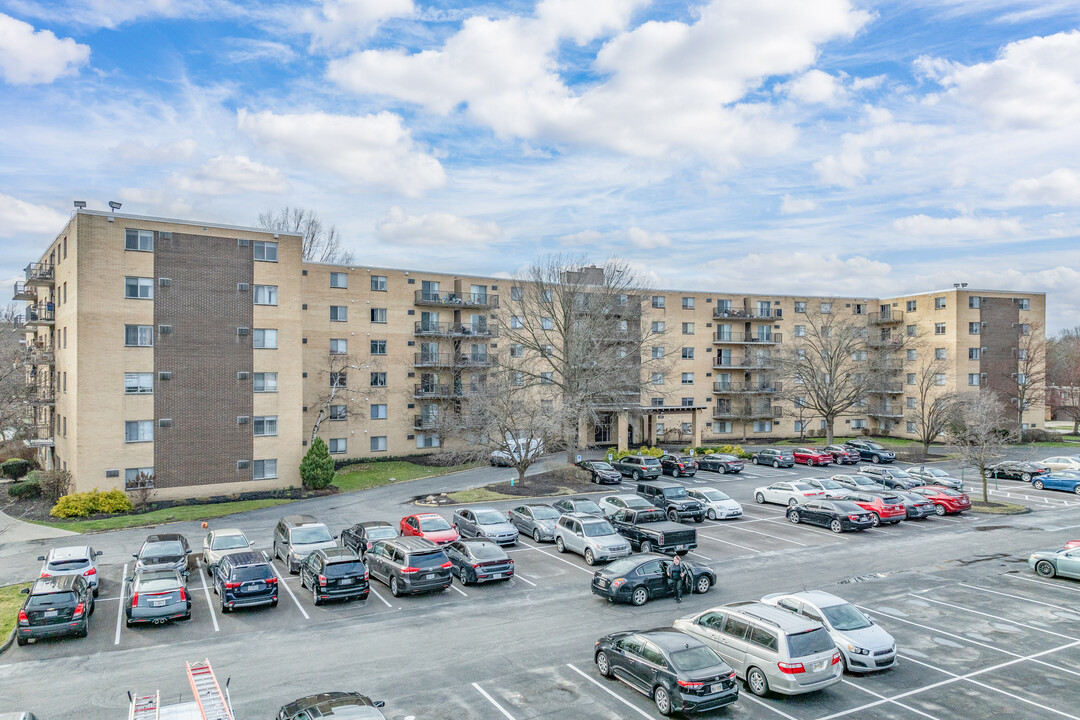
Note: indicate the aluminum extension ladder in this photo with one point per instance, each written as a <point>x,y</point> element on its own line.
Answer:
<point>146,707</point>
<point>208,694</point>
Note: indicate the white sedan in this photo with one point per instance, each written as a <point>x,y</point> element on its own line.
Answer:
<point>1062,462</point>
<point>611,504</point>
<point>788,493</point>
<point>219,543</point>
<point>831,488</point>
<point>717,504</point>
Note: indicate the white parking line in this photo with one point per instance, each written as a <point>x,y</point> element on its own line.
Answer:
<point>376,594</point>
<point>120,609</point>
<point>995,617</point>
<point>1042,582</point>
<point>697,554</point>
<point>625,702</point>
<point>206,591</point>
<point>282,583</point>
<point>564,560</point>
<point>899,704</point>
<point>758,532</point>
<point>1019,597</point>
<point>744,547</point>
<point>767,706</point>
<point>459,590</point>
<point>491,700</point>
<point>519,576</point>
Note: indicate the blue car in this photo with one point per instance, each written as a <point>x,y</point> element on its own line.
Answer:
<point>1064,480</point>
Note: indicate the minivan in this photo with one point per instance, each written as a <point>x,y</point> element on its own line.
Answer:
<point>296,536</point>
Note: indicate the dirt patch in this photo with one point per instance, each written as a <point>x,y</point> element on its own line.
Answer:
<point>998,508</point>
<point>564,481</point>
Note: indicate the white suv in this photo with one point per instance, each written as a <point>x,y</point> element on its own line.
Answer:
<point>77,560</point>
<point>591,537</point>
<point>788,493</point>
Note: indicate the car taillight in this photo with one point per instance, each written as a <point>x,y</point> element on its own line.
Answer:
<point>365,574</point>
<point>683,467</point>
<point>835,658</point>
<point>135,600</point>
<point>273,580</point>
<point>23,620</point>
<point>91,571</point>
<point>183,595</point>
<point>731,676</point>
<point>617,583</point>
<point>447,565</point>
<point>410,570</point>
<point>690,684</point>
<point>644,468</point>
<point>511,561</point>
<point>322,580</point>
<point>854,518</point>
<point>476,566</point>
<point>78,612</point>
<point>232,586</point>
<point>791,668</point>
<point>45,575</point>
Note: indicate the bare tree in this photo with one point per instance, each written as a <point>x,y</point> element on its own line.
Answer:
<point>320,243</point>
<point>1063,375</point>
<point>1027,384</point>
<point>583,331</point>
<point>934,406</point>
<point>15,388</point>
<point>980,431</point>
<point>340,396</point>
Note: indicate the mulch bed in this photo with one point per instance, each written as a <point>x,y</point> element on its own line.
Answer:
<point>999,508</point>
<point>553,482</point>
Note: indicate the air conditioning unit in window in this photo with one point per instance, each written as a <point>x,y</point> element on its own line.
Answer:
<point>242,464</point>
<point>243,287</point>
<point>243,375</point>
<point>242,331</point>
<point>243,242</point>
<point>164,235</point>
<point>165,329</point>
<point>242,419</point>
<point>165,375</point>
<point>164,282</point>
<point>164,422</point>
<point>112,473</point>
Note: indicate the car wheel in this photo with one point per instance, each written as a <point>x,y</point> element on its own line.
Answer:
<point>315,595</point>
<point>559,545</point>
<point>663,701</point>
<point>636,475</point>
<point>876,459</point>
<point>675,472</point>
<point>1045,568</point>
<point>760,499</point>
<point>1076,489</point>
<point>603,665</point>
<point>646,546</point>
<point>1026,477</point>
<point>639,597</point>
<point>792,502</point>
<point>394,589</point>
<point>224,607</point>
<point>21,641</point>
<point>1038,485</point>
<point>589,559</point>
<point>776,464</point>
<point>536,535</point>
<point>809,463</point>
<point>836,526</point>
<point>754,460</point>
<point>793,516</point>
<point>875,520</point>
<point>712,513</point>
<point>756,682</point>
<point>703,584</point>
<point>720,469</point>
<point>939,509</point>
<point>673,516</point>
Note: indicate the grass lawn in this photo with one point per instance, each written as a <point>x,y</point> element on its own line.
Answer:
<point>167,515</point>
<point>363,476</point>
<point>11,599</point>
<point>1074,444</point>
<point>478,495</point>
<point>813,442</point>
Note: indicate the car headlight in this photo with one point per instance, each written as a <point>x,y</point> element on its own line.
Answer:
<point>857,650</point>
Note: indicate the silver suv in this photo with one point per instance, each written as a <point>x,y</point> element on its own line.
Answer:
<point>770,648</point>
<point>297,536</point>
<point>590,536</point>
<point>78,560</point>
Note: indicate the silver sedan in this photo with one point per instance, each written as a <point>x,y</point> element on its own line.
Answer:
<point>535,520</point>
<point>219,543</point>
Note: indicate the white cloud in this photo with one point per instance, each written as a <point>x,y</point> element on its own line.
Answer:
<point>254,50</point>
<point>112,14</point>
<point>18,216</point>
<point>792,206</point>
<point>813,273</point>
<point>969,227</point>
<point>862,151</point>
<point>434,229</point>
<point>815,86</point>
<point>1060,187</point>
<point>374,150</point>
<point>29,56</point>
<point>141,153</point>
<point>342,24</point>
<point>581,239</point>
<point>584,21</point>
<point>231,174</point>
<point>647,240</point>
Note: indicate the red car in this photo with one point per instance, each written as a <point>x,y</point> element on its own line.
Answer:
<point>842,455</point>
<point>946,500</point>
<point>887,509</point>
<point>1071,544</point>
<point>811,456</point>
<point>430,526</point>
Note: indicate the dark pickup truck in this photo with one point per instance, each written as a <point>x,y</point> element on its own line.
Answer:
<point>649,530</point>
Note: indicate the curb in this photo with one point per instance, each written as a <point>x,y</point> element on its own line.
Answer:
<point>512,497</point>
<point>11,639</point>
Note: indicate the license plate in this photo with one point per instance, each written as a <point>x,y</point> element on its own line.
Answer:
<point>51,613</point>
<point>680,547</point>
<point>157,603</point>
<point>253,587</point>
<point>429,576</point>
<point>347,581</point>
<point>819,665</point>
<point>497,576</point>
<point>715,688</point>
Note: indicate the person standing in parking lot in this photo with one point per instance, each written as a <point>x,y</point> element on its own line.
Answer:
<point>675,575</point>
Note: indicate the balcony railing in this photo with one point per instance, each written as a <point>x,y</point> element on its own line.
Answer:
<point>449,329</point>
<point>460,300</point>
<point>462,360</point>
<point>732,388</point>
<point>886,411</point>
<point>425,422</point>
<point>40,274</point>
<point>743,362</point>
<point>721,313</point>
<point>886,317</point>
<point>42,395</point>
<point>39,356</point>
<point>41,435</point>
<point>745,338</point>
<point>727,413</point>
<point>441,391</point>
<point>887,388</point>
<point>40,314</point>
<point>24,292</point>
<point>889,343</point>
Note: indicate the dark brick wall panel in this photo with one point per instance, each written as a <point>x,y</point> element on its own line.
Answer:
<point>204,353</point>
<point>999,337</point>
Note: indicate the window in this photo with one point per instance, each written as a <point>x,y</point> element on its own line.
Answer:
<point>339,412</point>
<point>688,402</point>
<point>974,328</point>
<point>1025,329</point>
<point>517,322</point>
<point>658,326</point>
<point>264,425</point>
<point>516,293</point>
<point>974,301</point>
<point>264,382</point>
<point>911,305</point>
<point>798,426</point>
<point>939,378</point>
<point>139,240</point>
<point>378,347</point>
<point>265,251</point>
<point>858,424</point>
<point>339,280</point>
<point>378,283</point>
<point>974,353</point>
<point>658,301</point>
<point>660,428</point>
<point>339,379</point>
<point>339,346</point>
<point>1024,303</point>
<point>800,306</point>
<point>688,353</point>
<point>378,379</point>
<point>265,294</point>
<point>427,441</point>
<point>911,427</point>
<point>137,335</point>
<point>858,309</point>
<point>658,378</point>
<point>911,378</point>
<point>138,383</point>
<point>800,401</point>
<point>517,378</point>
<point>940,354</point>
<point>547,378</point>
<point>264,338</point>
<point>338,446</point>
<point>378,412</point>
<point>939,303</point>
<point>547,323</point>
<point>622,299</point>
<point>912,354</point>
<point>545,350</point>
<point>138,477</point>
<point>939,328</point>
<point>378,443</point>
<point>378,315</point>
<point>139,431</point>
<point>826,307</point>
<point>762,426</point>
<point>545,296</point>
<point>688,378</point>
<point>517,350</point>
<point>1021,379</point>
<point>264,469</point>
<point>688,303</point>
<point>721,426</point>
<point>909,403</point>
<point>340,313</point>
<point>858,355</point>
<point>800,331</point>
<point>973,379</point>
<point>139,288</point>
<point>912,330</point>
<point>657,352</point>
<point>688,328</point>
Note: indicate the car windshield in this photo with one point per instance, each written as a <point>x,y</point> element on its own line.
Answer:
<point>623,566</point>
<point>489,517</point>
<point>715,495</point>
<point>935,472</point>
<point>891,500</point>
<point>428,561</point>
<point>309,535</point>
<point>228,542</point>
<point>863,480</point>
<point>829,485</point>
<point>601,466</point>
<point>845,617</point>
<point>380,532</point>
<point>39,602</point>
<point>68,565</point>
<point>159,584</point>
<point>598,529</point>
<point>803,487</point>
<point>873,446</point>
<point>344,569</point>
<point>162,549</point>
<point>900,474</point>
<point>247,573</point>
<point>586,506</point>
<point>675,493</point>
<point>652,461</point>
<point>486,551</point>
<point>695,658</point>
<point>434,524</point>
<point>810,642</point>
<point>950,492</point>
<point>544,513</point>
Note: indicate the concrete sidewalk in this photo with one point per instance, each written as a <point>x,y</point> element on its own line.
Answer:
<point>13,530</point>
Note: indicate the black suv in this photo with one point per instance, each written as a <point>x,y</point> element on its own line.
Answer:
<point>1017,470</point>
<point>672,499</point>
<point>361,536</point>
<point>675,464</point>
<point>56,606</point>
<point>333,574</point>
<point>869,450</point>
<point>409,565</point>
<point>331,704</point>
<point>244,579</point>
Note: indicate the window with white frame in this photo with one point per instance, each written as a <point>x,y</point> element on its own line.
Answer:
<point>339,412</point>
<point>974,328</point>
<point>377,347</point>
<point>339,346</point>
<point>339,379</point>
<point>339,280</point>
<point>339,313</point>
<point>136,431</point>
<point>517,378</point>
<point>378,411</point>
<point>264,425</point>
<point>762,426</point>
<point>658,301</point>
<point>798,426</point>
<point>138,383</point>
<point>658,326</point>
<point>688,378</point>
<point>427,440</point>
<point>911,305</point>
<point>911,378</point>
<point>826,307</point>
<point>264,338</point>
<point>688,353</point>
<point>658,378</point>
<point>974,302</point>
<point>939,378</point>
<point>1021,379</point>
<point>939,328</point>
<point>378,283</point>
<point>721,427</point>
<point>911,427</point>
<point>264,469</point>
<point>378,443</point>
<point>658,402</point>
<point>546,296</point>
<point>138,335</point>
<point>800,306</point>
<point>657,352</point>
<point>516,293</point>
<point>378,379</point>
<point>517,350</point>
<point>517,322</point>
<point>338,446</point>
<point>912,330</point>
<point>858,424</point>
<point>135,478</point>
<point>800,401</point>
<point>264,294</point>
<point>688,402</point>
<point>973,379</point>
<point>264,382</point>
<point>688,328</point>
<point>858,355</point>
<point>912,354</point>
<point>547,323</point>
<point>1024,303</point>
<point>974,353</point>
<point>378,315</point>
<point>800,331</point>
<point>139,240</point>
<point>688,303</point>
<point>659,428</point>
<point>547,378</point>
<point>940,354</point>
<point>264,251</point>
<point>139,288</point>
<point>909,403</point>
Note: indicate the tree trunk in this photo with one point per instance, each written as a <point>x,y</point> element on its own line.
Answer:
<point>926,449</point>
<point>521,475</point>
<point>1076,425</point>
<point>985,484</point>
<point>830,436</point>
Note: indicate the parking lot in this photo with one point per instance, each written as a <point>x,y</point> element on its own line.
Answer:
<point>988,636</point>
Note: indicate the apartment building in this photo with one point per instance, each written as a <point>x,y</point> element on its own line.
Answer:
<point>205,357</point>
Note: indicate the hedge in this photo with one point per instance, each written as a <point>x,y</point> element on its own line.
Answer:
<point>735,450</point>
<point>92,503</point>
<point>1036,435</point>
<point>643,450</point>
<point>14,468</point>
<point>24,490</point>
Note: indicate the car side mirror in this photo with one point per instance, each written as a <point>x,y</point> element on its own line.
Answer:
<point>250,543</point>
<point>188,551</point>
<point>41,558</point>
<point>335,537</point>
<point>97,554</point>
<point>379,703</point>
<point>25,591</point>
<point>135,555</point>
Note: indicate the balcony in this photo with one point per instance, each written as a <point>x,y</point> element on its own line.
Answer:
<point>885,411</point>
<point>41,436</point>
<point>745,338</point>
<point>425,422</point>
<point>453,360</point>
<point>454,330</point>
<point>42,314</point>
<point>24,292</point>
<point>763,363</point>
<point>40,275</point>
<point>888,343</point>
<point>886,317</point>
<point>888,389</point>
<point>42,395</point>
<point>38,355</point>
<point>457,300</point>
<point>734,388</point>
<point>721,412</point>
<point>443,391</point>
<point>721,313</point>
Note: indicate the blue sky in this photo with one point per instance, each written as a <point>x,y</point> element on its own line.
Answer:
<point>818,146</point>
